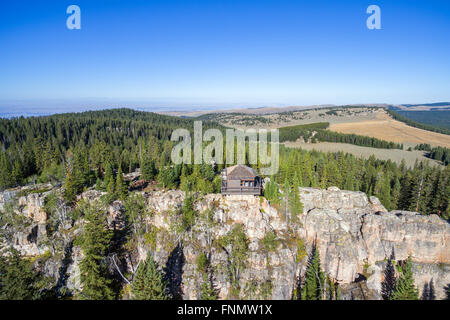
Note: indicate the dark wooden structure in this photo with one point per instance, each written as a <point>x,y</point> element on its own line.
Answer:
<point>240,179</point>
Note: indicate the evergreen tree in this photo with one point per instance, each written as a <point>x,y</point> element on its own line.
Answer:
<point>18,281</point>
<point>167,177</point>
<point>107,178</point>
<point>70,190</point>
<point>189,213</point>
<point>314,278</point>
<point>148,169</point>
<point>95,243</point>
<point>286,199</point>
<point>17,173</point>
<point>405,288</point>
<point>121,187</point>
<point>207,291</point>
<point>148,283</point>
<point>295,205</point>
<point>5,169</point>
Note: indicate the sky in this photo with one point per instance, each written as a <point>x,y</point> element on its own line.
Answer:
<point>214,54</point>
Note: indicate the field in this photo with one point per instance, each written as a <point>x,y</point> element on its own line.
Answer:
<point>385,128</point>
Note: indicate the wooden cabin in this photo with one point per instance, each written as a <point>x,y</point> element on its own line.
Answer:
<point>240,179</point>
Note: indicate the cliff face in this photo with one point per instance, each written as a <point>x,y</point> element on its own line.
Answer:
<point>355,235</point>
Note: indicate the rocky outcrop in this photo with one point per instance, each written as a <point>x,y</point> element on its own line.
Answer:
<point>355,235</point>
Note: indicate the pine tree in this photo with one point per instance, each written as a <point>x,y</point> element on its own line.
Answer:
<point>295,205</point>
<point>95,243</point>
<point>107,178</point>
<point>148,283</point>
<point>148,169</point>
<point>314,278</point>
<point>286,199</point>
<point>405,288</point>
<point>18,281</point>
<point>70,190</point>
<point>207,291</point>
<point>189,213</point>
<point>121,187</point>
<point>5,169</point>
<point>17,173</point>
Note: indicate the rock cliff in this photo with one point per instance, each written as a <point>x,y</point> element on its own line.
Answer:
<point>355,236</point>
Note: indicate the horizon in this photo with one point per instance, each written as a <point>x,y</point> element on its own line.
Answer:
<point>49,111</point>
<point>213,55</point>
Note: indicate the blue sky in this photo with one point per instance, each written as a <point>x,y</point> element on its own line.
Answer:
<point>210,53</point>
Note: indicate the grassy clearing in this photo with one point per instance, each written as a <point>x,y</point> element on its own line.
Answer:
<point>394,155</point>
<point>386,128</point>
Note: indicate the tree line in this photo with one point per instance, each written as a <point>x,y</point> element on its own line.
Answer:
<point>416,124</point>
<point>43,149</point>
<point>437,153</point>
<point>317,132</point>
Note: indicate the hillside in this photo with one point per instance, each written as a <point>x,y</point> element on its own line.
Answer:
<point>364,126</point>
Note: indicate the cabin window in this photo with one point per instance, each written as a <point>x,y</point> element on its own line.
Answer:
<point>246,183</point>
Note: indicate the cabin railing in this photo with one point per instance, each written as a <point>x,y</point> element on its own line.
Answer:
<point>241,190</point>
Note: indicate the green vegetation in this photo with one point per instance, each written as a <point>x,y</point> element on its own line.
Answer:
<point>269,242</point>
<point>90,149</point>
<point>189,213</point>
<point>207,289</point>
<point>95,242</point>
<point>313,288</point>
<point>301,250</point>
<point>77,146</point>
<point>148,282</point>
<point>292,133</point>
<point>18,280</point>
<point>405,288</point>
<point>256,289</point>
<point>236,244</point>
<point>331,136</point>
<point>422,188</point>
<point>438,153</point>
<point>438,119</point>
<point>414,123</point>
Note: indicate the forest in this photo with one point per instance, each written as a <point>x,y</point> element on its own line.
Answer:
<point>436,118</point>
<point>94,150</point>
<point>414,123</point>
<point>437,153</point>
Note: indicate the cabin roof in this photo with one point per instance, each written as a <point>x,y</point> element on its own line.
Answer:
<point>240,172</point>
